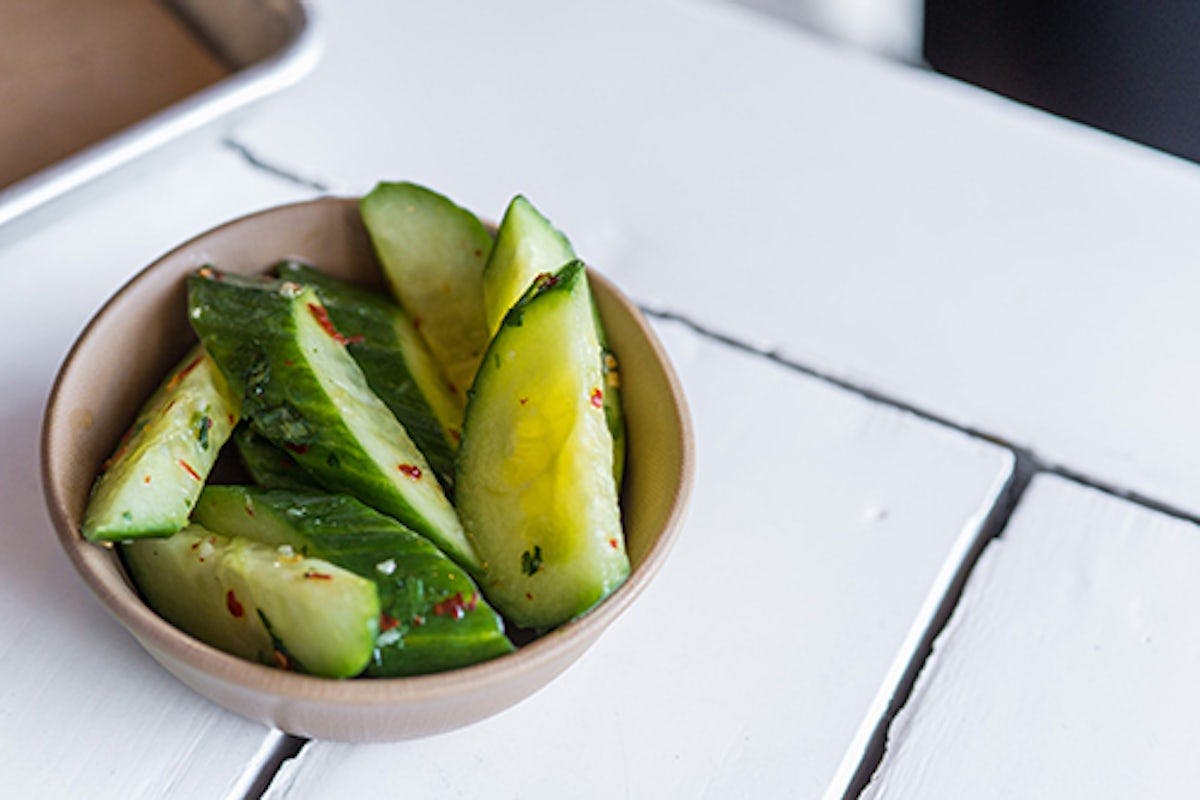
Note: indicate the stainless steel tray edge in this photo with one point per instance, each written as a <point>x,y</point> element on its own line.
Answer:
<point>241,89</point>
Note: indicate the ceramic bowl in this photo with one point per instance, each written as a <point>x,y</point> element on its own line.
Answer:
<point>142,331</point>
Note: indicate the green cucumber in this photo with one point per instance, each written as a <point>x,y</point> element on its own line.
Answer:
<point>151,482</point>
<point>613,415</point>
<point>397,363</point>
<point>268,465</point>
<point>259,602</point>
<point>433,618</point>
<point>535,485</point>
<point>433,253</point>
<point>526,246</point>
<point>301,389</point>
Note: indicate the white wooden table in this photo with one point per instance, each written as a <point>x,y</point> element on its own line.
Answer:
<point>914,322</point>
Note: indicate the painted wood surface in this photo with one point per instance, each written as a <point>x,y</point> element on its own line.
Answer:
<point>821,529</point>
<point>1068,668</point>
<point>84,712</point>
<point>1004,269</point>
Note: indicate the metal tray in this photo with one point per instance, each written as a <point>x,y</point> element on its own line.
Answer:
<point>267,44</point>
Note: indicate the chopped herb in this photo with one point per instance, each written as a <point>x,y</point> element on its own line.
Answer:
<point>285,424</point>
<point>203,425</point>
<point>531,562</point>
<point>333,461</point>
<point>256,377</point>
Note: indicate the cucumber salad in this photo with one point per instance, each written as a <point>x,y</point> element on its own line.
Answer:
<point>427,468</point>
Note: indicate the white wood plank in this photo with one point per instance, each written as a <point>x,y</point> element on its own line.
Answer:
<point>84,712</point>
<point>1068,669</point>
<point>1010,271</point>
<point>822,532</point>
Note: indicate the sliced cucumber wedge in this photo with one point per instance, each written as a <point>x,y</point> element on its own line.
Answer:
<point>396,362</point>
<point>526,246</point>
<point>433,617</point>
<point>150,483</point>
<point>535,485</point>
<point>278,348</point>
<point>259,602</point>
<point>433,253</point>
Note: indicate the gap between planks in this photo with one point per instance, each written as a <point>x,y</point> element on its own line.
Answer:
<point>855,773</point>
<point>276,748</point>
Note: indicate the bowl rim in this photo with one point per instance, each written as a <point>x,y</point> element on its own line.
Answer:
<point>151,629</point>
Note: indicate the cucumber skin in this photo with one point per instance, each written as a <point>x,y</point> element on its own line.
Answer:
<point>247,325</point>
<point>506,583</point>
<point>381,357</point>
<point>269,466</point>
<point>343,531</point>
<point>433,253</point>
<point>164,453</point>
<point>249,600</point>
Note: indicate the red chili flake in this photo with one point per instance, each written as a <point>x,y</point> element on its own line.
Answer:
<point>546,280</point>
<point>189,469</point>
<point>281,659</point>
<point>411,470</point>
<point>322,317</point>
<point>195,545</point>
<point>250,510</point>
<point>232,421</point>
<point>318,576</point>
<point>299,449</point>
<point>523,400</point>
<point>456,434</point>
<point>450,385</point>
<point>613,543</point>
<point>231,602</point>
<point>528,596</point>
<point>478,253</point>
<point>597,398</point>
<point>287,362</point>
<point>418,620</point>
<point>146,479</point>
<point>416,323</point>
<point>179,376</point>
<point>455,606</point>
<point>114,458</point>
<point>387,621</point>
<point>168,407</point>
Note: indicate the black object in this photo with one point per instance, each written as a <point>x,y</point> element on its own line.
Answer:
<point>1131,67</point>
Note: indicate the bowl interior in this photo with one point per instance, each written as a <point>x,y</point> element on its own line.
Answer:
<point>131,343</point>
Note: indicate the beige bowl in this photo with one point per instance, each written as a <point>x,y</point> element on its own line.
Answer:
<point>142,331</point>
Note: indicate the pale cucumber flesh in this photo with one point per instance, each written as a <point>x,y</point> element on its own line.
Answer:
<point>152,480</point>
<point>535,485</point>
<point>433,617</point>
<point>433,253</point>
<point>259,602</point>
